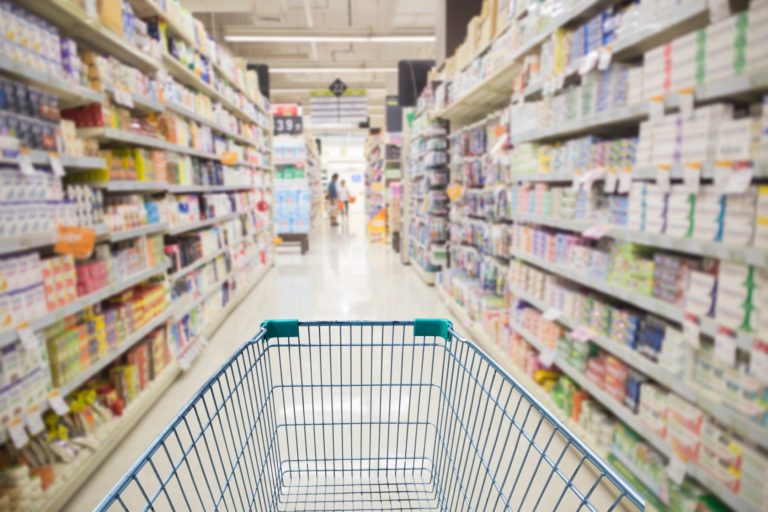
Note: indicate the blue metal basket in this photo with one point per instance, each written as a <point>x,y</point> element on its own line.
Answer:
<point>366,416</point>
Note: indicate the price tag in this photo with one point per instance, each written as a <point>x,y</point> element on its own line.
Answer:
<point>656,108</point>
<point>611,181</point>
<point>25,162</point>
<point>719,10</point>
<point>739,180</point>
<point>604,58</point>
<point>625,181</point>
<point>723,171</point>
<point>662,178</point>
<point>18,434</point>
<point>552,314</point>
<point>588,63</point>
<point>582,334</point>
<point>56,166</point>
<point>691,330</point>
<point>547,357</point>
<point>58,404</point>
<point>692,176</point>
<point>34,421</point>
<point>596,232</point>
<point>758,361</point>
<point>676,469</point>
<point>29,339</point>
<point>685,102</point>
<point>725,346</point>
<point>577,181</point>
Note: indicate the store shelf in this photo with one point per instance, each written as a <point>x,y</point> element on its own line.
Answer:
<point>482,339</point>
<point>135,337</point>
<point>551,177</point>
<point>187,77</point>
<point>204,189</point>
<point>140,103</point>
<point>210,328</point>
<point>428,277</point>
<point>672,23</point>
<point>64,490</point>
<point>43,159</point>
<point>133,187</point>
<point>748,85</point>
<point>622,116</point>
<point>494,92</point>
<point>69,94</point>
<point>183,307</point>
<point>708,326</point>
<point>626,354</point>
<point>10,336</point>
<point>127,137</point>
<point>75,22</point>
<point>641,476</point>
<point>204,223</point>
<point>184,111</point>
<point>10,245</point>
<point>127,234</point>
<point>194,266</point>
<point>748,255</point>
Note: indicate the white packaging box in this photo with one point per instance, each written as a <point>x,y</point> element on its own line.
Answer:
<point>737,138</point>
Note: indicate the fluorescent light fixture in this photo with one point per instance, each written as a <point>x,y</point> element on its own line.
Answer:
<point>294,71</point>
<point>329,39</point>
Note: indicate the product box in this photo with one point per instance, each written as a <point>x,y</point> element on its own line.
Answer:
<point>111,14</point>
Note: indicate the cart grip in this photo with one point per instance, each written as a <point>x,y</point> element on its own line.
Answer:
<point>432,327</point>
<point>280,329</point>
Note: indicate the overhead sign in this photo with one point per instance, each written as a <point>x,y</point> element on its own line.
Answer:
<point>327,107</point>
<point>338,88</point>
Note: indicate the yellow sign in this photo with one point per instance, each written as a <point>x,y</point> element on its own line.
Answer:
<point>324,93</point>
<point>74,240</point>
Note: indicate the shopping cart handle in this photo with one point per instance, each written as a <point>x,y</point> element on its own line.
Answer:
<point>280,329</point>
<point>421,327</point>
<point>432,327</point>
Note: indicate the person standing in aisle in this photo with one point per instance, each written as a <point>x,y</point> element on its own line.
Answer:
<point>333,198</point>
<point>344,199</point>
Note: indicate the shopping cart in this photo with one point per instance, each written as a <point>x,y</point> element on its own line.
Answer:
<point>366,416</point>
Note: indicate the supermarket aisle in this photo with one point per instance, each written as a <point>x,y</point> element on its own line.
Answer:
<point>342,277</point>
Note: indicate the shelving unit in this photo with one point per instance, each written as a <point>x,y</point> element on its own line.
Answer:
<point>240,169</point>
<point>510,215</point>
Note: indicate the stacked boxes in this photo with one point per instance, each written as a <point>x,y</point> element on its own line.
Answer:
<point>59,281</point>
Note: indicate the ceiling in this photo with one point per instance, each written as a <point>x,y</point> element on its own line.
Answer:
<point>338,18</point>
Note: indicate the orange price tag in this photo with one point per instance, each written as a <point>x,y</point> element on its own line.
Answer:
<point>229,158</point>
<point>74,240</point>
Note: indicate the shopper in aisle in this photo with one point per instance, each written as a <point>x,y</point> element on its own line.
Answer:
<point>344,200</point>
<point>333,197</point>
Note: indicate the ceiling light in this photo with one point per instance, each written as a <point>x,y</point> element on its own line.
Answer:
<point>291,71</point>
<point>329,39</point>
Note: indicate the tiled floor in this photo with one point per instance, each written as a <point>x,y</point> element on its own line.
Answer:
<point>342,277</point>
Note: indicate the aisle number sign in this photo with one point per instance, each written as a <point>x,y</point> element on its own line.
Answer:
<point>287,119</point>
<point>74,240</point>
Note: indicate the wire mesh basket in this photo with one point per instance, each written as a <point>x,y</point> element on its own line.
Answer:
<point>366,416</point>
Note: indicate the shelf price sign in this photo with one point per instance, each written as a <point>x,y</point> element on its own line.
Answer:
<point>289,125</point>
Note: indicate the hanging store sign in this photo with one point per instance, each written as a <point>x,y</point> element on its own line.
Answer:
<point>351,107</point>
